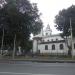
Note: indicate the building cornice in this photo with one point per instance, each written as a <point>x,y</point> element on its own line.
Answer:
<point>59,41</point>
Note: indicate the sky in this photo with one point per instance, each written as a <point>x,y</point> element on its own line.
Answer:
<point>50,8</point>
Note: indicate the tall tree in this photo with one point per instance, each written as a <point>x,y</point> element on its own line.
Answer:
<point>65,22</point>
<point>31,13</point>
<point>62,20</point>
<point>20,18</point>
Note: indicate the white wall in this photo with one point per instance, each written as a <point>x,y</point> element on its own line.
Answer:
<point>34,46</point>
<point>41,47</point>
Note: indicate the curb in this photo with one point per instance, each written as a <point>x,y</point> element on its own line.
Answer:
<point>35,60</point>
<point>46,61</point>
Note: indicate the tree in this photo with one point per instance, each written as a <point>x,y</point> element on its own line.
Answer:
<point>19,22</point>
<point>62,21</point>
<point>31,13</point>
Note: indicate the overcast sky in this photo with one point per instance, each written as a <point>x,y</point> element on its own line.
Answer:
<point>50,8</point>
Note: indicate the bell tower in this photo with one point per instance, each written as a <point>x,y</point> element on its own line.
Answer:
<point>48,31</point>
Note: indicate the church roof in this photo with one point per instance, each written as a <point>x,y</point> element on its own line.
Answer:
<point>37,36</point>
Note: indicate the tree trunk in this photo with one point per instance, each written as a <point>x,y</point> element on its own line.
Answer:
<point>14,46</point>
<point>2,42</point>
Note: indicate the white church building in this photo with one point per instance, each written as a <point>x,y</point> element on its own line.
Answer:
<point>48,43</point>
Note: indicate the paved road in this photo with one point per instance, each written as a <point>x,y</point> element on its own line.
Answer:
<point>33,68</point>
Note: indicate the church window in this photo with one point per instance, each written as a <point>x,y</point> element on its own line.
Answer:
<point>48,40</point>
<point>74,45</point>
<point>50,33</point>
<point>53,47</point>
<point>46,34</point>
<point>61,46</point>
<point>46,47</point>
<point>42,40</point>
<point>56,39</point>
<point>51,39</point>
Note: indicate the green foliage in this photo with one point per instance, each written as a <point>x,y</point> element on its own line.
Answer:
<point>62,20</point>
<point>19,17</point>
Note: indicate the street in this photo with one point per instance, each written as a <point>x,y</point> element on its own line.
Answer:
<point>34,68</point>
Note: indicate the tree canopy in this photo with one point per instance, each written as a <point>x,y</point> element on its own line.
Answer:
<point>62,20</point>
<point>19,17</point>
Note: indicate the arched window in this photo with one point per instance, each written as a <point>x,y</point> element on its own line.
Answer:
<point>48,40</point>
<point>61,46</point>
<point>51,39</point>
<point>46,34</point>
<point>74,45</point>
<point>46,47</point>
<point>56,39</point>
<point>53,47</point>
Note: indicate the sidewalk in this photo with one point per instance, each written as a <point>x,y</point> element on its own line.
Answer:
<point>36,60</point>
<point>46,60</point>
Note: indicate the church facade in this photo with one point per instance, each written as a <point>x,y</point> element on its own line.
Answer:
<point>47,43</point>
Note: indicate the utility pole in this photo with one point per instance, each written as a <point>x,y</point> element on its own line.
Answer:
<point>71,37</point>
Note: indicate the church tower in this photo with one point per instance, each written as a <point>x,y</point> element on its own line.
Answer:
<point>48,31</point>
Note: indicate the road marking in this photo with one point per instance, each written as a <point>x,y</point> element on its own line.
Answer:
<point>23,73</point>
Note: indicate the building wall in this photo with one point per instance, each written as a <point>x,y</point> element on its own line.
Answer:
<point>49,40</point>
<point>35,46</point>
<point>57,50</point>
